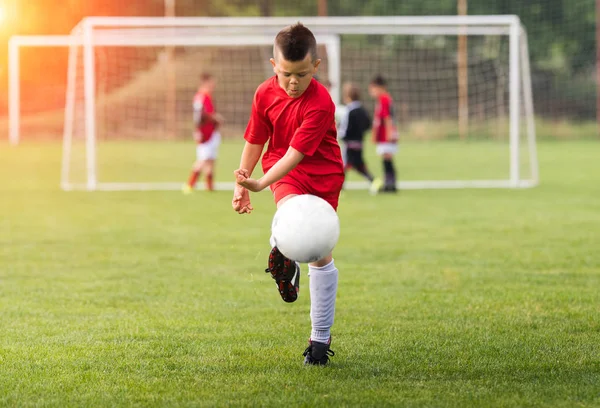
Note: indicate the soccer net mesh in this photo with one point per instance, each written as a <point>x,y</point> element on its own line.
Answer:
<point>454,118</point>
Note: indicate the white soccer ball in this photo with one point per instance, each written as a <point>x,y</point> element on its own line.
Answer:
<point>305,228</point>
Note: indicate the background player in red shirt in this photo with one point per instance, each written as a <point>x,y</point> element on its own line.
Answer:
<point>385,133</point>
<point>294,114</point>
<point>206,133</point>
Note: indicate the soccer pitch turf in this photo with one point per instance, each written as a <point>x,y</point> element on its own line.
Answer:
<point>446,297</point>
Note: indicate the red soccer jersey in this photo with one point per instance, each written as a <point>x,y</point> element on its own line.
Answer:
<point>203,104</point>
<point>383,109</point>
<point>306,123</point>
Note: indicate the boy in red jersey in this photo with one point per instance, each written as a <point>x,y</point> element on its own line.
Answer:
<point>206,134</point>
<point>294,114</point>
<point>385,134</point>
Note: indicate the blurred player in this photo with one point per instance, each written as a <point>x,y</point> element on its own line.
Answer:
<point>352,130</point>
<point>385,133</point>
<point>206,134</point>
<point>340,109</point>
<point>294,114</point>
<point>340,112</point>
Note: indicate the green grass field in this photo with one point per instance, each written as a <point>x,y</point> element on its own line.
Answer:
<point>446,298</point>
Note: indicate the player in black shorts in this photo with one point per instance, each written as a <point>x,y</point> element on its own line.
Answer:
<point>354,124</point>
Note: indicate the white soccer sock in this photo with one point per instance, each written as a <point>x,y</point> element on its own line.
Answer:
<point>272,242</point>
<point>323,290</point>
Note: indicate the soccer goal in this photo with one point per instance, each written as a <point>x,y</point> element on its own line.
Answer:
<point>461,86</point>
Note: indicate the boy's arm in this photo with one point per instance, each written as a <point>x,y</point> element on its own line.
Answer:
<point>212,117</point>
<point>290,160</point>
<point>257,134</point>
<point>387,121</point>
<point>250,156</point>
<point>241,198</point>
<point>390,131</point>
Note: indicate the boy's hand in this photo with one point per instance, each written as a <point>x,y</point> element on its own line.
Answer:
<point>241,200</point>
<point>242,178</point>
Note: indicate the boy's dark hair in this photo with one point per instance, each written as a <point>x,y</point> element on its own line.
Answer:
<point>295,42</point>
<point>379,81</point>
<point>352,91</point>
<point>205,77</point>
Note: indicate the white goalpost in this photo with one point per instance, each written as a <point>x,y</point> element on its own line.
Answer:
<point>114,96</point>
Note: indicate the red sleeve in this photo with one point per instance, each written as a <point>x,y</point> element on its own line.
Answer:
<point>385,108</point>
<point>208,110</point>
<point>309,135</point>
<point>258,130</point>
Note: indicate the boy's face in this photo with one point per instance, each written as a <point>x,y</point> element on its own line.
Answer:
<point>374,90</point>
<point>210,85</point>
<point>346,93</point>
<point>294,76</point>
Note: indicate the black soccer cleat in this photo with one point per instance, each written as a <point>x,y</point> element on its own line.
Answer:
<point>286,274</point>
<point>389,188</point>
<point>317,353</point>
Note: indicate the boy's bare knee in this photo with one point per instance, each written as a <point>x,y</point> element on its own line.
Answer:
<point>323,261</point>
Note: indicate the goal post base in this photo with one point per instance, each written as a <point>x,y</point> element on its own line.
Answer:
<point>350,185</point>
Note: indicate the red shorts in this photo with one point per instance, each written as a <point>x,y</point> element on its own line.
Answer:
<point>326,187</point>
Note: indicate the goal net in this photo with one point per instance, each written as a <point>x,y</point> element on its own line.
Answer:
<point>460,85</point>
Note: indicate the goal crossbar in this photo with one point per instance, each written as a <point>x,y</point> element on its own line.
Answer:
<point>335,24</point>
